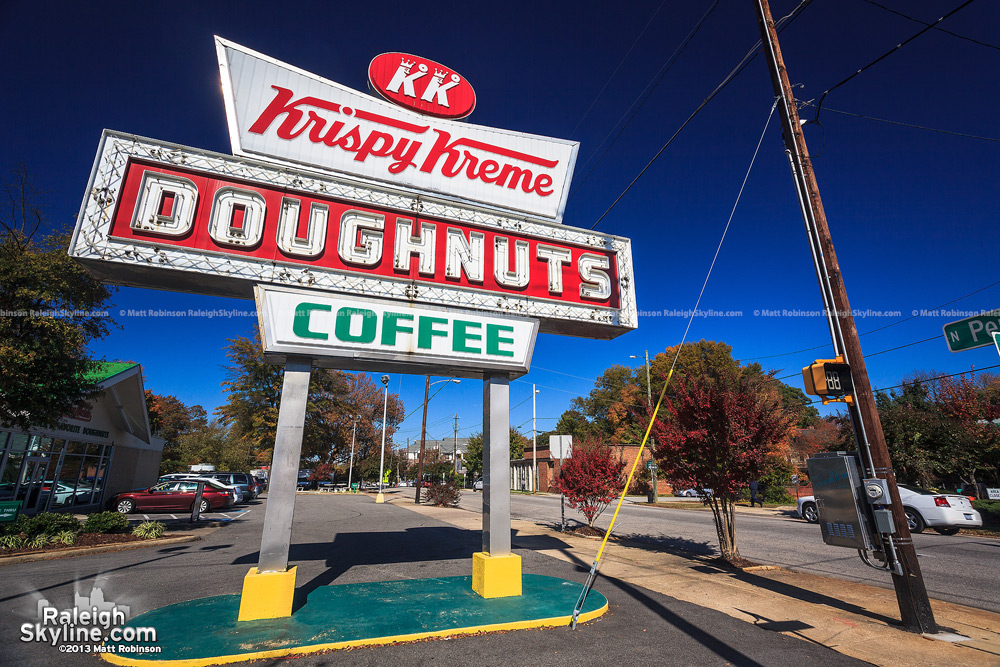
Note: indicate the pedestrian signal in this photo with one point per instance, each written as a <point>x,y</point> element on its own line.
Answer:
<point>830,379</point>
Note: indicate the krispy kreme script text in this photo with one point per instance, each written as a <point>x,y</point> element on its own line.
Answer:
<point>403,145</point>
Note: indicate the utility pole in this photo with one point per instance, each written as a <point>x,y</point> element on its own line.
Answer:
<point>350,469</point>
<point>649,387</point>
<point>423,442</point>
<point>911,594</point>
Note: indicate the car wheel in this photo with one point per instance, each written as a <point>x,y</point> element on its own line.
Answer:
<point>950,530</point>
<point>125,506</point>
<point>204,507</point>
<point>914,520</point>
<point>810,513</point>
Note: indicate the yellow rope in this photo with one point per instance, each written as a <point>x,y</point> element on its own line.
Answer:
<point>638,457</point>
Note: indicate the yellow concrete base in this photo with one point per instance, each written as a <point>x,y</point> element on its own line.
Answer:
<point>380,498</point>
<point>496,576</point>
<point>267,595</point>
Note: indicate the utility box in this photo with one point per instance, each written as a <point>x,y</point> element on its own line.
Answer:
<point>841,501</point>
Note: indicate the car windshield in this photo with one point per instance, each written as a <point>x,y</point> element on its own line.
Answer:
<point>917,489</point>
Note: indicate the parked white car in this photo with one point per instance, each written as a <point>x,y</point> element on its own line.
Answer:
<point>947,513</point>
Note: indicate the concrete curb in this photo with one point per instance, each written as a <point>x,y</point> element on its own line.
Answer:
<point>87,551</point>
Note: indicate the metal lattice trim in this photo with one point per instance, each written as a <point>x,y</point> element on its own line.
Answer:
<point>92,238</point>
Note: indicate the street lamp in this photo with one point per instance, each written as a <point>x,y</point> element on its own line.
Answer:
<point>534,441</point>
<point>380,498</point>
<point>649,387</point>
<point>654,495</point>
<point>350,469</point>
<point>423,434</point>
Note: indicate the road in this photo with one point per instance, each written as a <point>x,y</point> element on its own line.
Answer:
<point>956,568</point>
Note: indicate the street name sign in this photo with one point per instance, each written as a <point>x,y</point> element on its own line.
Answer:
<point>972,332</point>
<point>353,333</point>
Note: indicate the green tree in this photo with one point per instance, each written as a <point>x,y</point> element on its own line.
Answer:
<point>213,444</point>
<point>52,310</point>
<point>253,389</point>
<point>473,457</point>
<point>170,418</point>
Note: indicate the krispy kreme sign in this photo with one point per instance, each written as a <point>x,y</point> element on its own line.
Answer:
<point>279,112</point>
<point>168,216</point>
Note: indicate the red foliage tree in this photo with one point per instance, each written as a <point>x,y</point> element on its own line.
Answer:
<point>717,435</point>
<point>591,478</point>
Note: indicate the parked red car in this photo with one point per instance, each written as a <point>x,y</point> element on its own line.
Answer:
<point>174,496</point>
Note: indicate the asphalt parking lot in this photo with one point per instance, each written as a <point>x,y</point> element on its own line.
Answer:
<point>341,539</point>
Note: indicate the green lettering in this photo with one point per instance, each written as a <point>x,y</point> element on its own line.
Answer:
<point>369,323</point>
<point>390,326</point>
<point>493,340</point>
<point>427,331</point>
<point>300,323</point>
<point>461,335</point>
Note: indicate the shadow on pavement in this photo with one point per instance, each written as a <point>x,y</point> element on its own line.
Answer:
<point>805,595</point>
<point>347,550</point>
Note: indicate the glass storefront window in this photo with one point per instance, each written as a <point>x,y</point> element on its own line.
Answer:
<point>65,487</point>
<point>74,447</point>
<point>93,450</point>
<point>18,441</point>
<point>3,439</point>
<point>8,477</point>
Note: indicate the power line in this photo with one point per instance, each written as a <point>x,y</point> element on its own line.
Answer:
<point>947,32</point>
<point>718,89</point>
<point>622,62</point>
<point>549,370</point>
<point>910,125</point>
<point>891,324</point>
<point>927,28</point>
<point>638,103</point>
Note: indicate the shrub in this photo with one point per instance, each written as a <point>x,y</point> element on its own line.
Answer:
<point>990,509</point>
<point>37,542</point>
<point>591,478</point>
<point>443,494</point>
<point>15,527</point>
<point>148,530</point>
<point>52,523</point>
<point>105,522</point>
<point>64,537</point>
<point>11,542</point>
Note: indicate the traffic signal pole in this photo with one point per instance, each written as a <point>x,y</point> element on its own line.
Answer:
<point>911,594</point>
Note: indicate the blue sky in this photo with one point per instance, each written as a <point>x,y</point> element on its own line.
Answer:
<point>912,212</point>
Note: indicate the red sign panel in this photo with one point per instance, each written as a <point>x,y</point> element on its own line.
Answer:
<point>421,85</point>
<point>209,214</point>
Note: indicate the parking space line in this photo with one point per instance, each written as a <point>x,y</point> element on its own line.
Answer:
<point>145,517</point>
<point>172,516</point>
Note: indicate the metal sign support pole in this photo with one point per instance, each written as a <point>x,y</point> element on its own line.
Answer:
<point>496,572</point>
<point>269,588</point>
<point>285,466</point>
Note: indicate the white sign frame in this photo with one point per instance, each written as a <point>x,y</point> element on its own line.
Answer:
<point>157,265</point>
<point>252,82</point>
<point>280,340</point>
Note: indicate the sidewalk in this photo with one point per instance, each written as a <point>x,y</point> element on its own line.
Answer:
<point>854,619</point>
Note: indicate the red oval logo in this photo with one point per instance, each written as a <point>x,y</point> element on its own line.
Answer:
<point>422,85</point>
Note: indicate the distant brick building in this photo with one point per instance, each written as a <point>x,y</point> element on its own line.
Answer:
<point>521,472</point>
